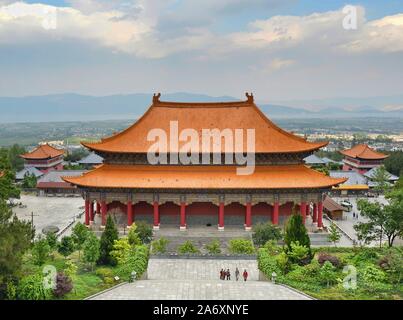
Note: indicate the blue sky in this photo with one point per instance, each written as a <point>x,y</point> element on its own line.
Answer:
<point>280,49</point>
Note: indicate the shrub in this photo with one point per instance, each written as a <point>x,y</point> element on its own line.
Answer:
<point>144,231</point>
<point>371,274</point>
<point>108,238</point>
<point>120,249</point>
<point>213,247</point>
<point>392,263</point>
<point>71,269</point>
<point>272,247</point>
<point>63,285</point>
<point>136,260</point>
<point>104,273</point>
<point>160,245</point>
<point>187,247</point>
<point>263,232</point>
<point>133,236</point>
<point>299,253</point>
<point>327,274</point>
<point>241,246</point>
<point>297,274</point>
<point>79,235</point>
<point>40,251</point>
<point>323,257</point>
<point>267,263</point>
<point>283,262</point>
<point>296,231</point>
<point>66,246</point>
<point>32,288</point>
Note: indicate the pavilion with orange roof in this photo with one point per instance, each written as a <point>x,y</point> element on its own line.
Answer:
<point>186,195</point>
<point>45,158</point>
<point>362,158</point>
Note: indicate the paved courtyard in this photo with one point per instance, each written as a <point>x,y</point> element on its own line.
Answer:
<point>197,279</point>
<point>49,210</point>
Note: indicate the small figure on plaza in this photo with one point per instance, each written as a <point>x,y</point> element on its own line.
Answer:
<point>236,273</point>
<point>228,274</point>
<point>222,274</point>
<point>245,275</point>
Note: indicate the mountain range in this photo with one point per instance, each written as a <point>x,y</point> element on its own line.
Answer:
<point>75,107</point>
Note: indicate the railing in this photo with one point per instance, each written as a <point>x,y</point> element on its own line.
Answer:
<point>204,256</point>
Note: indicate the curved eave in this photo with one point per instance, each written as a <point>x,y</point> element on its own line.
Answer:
<point>100,147</point>
<point>197,177</point>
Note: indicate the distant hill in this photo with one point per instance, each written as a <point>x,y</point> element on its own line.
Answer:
<point>75,107</point>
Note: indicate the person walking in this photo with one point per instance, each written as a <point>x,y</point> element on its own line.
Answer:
<point>228,275</point>
<point>222,274</point>
<point>245,275</point>
<point>236,274</point>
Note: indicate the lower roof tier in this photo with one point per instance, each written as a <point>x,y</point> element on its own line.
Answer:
<point>203,177</point>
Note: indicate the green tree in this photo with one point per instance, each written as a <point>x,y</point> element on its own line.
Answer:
<point>15,240</point>
<point>144,231</point>
<point>7,186</point>
<point>160,245</point>
<point>213,247</point>
<point>381,178</point>
<point>296,231</point>
<point>263,232</point>
<point>366,232</point>
<point>108,238</point>
<point>40,251</point>
<point>334,234</point>
<point>394,163</point>
<point>66,246</point>
<point>79,235</point>
<point>51,238</point>
<point>383,220</point>
<point>133,236</point>
<point>14,152</point>
<point>187,247</point>
<point>91,250</point>
<point>29,181</point>
<point>121,247</point>
<point>241,246</point>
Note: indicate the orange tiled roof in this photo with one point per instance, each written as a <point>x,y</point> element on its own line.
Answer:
<point>203,177</point>
<point>221,115</point>
<point>44,151</point>
<point>363,151</point>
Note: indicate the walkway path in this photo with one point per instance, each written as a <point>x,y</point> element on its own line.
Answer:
<point>197,279</point>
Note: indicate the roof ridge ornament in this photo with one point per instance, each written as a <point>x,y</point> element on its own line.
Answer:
<point>156,97</point>
<point>249,97</point>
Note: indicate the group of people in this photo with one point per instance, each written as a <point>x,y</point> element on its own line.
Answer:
<point>226,274</point>
<point>355,215</point>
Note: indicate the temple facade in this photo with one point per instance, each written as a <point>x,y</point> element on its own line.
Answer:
<point>44,158</point>
<point>185,195</point>
<point>362,158</point>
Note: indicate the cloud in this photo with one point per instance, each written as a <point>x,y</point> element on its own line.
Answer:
<point>277,64</point>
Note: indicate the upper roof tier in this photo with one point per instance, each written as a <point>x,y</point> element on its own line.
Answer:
<point>269,138</point>
<point>363,151</point>
<point>44,151</point>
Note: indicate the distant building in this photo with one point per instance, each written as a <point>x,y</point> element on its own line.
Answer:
<point>356,183</point>
<point>362,158</point>
<point>19,176</point>
<point>45,158</point>
<point>51,183</point>
<point>314,161</point>
<point>332,209</point>
<point>91,161</point>
<point>370,175</point>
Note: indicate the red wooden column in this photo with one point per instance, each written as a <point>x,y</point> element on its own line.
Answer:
<point>221,216</point>
<point>303,211</point>
<point>98,207</point>
<point>315,213</point>
<point>248,217</point>
<point>156,215</point>
<point>91,211</point>
<point>276,210</point>
<point>183,216</point>
<point>87,212</point>
<point>320,214</point>
<point>129,213</point>
<point>103,213</point>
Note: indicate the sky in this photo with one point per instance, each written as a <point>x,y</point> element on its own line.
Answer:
<point>279,49</point>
